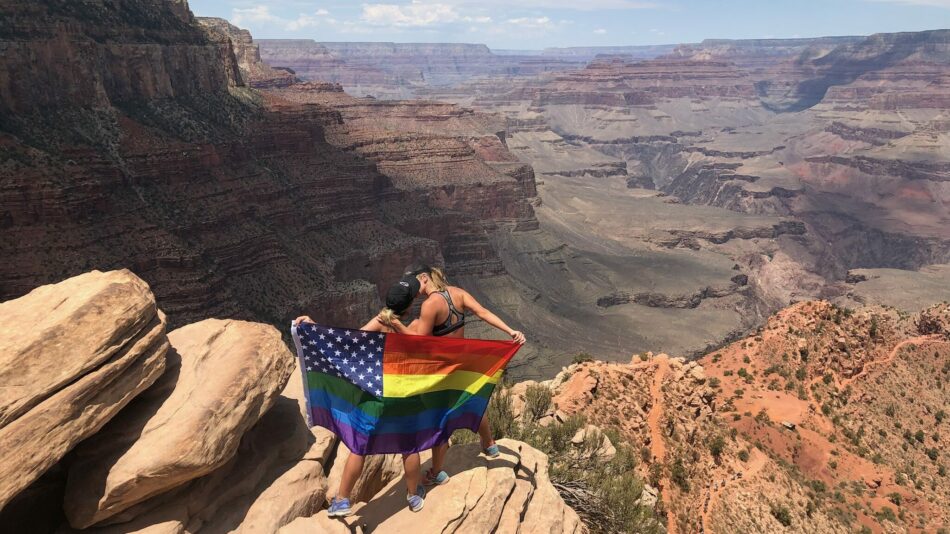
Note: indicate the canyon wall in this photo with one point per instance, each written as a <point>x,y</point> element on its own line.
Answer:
<point>398,70</point>
<point>843,134</point>
<point>230,202</point>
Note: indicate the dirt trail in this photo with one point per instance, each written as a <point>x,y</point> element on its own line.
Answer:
<point>657,445</point>
<point>890,357</point>
<point>843,383</point>
<point>756,463</point>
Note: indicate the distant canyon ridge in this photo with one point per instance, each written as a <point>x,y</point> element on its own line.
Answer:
<point>686,191</point>
<point>607,201</point>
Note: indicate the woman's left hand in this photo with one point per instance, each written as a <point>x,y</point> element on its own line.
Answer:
<point>303,319</point>
<point>518,337</point>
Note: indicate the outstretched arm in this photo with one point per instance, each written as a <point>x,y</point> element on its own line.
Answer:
<point>484,314</point>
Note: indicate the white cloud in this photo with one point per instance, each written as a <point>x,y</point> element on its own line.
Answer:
<point>532,23</point>
<point>256,14</point>
<point>301,22</point>
<point>413,15</point>
<point>600,31</point>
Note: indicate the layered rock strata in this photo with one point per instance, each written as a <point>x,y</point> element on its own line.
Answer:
<point>228,202</point>
<point>248,55</point>
<point>400,70</point>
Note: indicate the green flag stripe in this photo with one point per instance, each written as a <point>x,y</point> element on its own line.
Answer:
<point>396,406</point>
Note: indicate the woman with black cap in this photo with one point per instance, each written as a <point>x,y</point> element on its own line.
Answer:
<point>398,300</point>
<point>443,314</point>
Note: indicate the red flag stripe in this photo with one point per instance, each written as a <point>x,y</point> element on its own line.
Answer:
<point>426,355</point>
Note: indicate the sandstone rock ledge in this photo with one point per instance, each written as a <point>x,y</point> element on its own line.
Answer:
<point>223,376</point>
<point>71,356</point>
<point>510,494</point>
<point>110,426</point>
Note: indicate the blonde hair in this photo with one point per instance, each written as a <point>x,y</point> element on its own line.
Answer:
<point>388,316</point>
<point>438,279</point>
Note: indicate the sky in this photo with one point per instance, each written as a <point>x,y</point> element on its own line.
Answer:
<point>537,24</point>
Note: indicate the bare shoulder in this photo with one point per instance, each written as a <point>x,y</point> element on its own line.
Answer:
<point>432,302</point>
<point>463,298</point>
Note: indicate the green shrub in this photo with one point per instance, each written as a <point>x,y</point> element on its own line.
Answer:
<point>604,493</point>
<point>716,446</point>
<point>582,357</point>
<point>781,514</point>
<point>501,416</point>
<point>887,514</point>
<point>678,474</point>
<point>537,401</point>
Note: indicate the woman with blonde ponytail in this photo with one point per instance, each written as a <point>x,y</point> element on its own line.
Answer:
<point>443,314</point>
<point>398,300</point>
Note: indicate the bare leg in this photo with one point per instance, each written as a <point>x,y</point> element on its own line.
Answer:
<point>438,457</point>
<point>413,468</point>
<point>484,432</point>
<point>351,471</point>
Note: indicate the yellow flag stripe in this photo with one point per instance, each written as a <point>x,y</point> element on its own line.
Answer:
<point>409,385</point>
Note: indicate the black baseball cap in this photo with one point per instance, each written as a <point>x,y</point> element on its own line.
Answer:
<point>417,269</point>
<point>402,293</point>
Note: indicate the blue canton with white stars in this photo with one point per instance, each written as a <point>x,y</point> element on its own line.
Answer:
<point>351,354</point>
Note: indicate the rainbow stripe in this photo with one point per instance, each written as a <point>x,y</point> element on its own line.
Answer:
<point>428,388</point>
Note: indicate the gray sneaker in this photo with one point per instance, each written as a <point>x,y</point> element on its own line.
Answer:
<point>417,501</point>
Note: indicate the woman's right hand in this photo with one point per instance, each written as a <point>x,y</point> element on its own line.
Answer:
<point>303,319</point>
<point>518,337</point>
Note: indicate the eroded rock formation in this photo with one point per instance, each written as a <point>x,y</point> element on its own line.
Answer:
<point>217,444</point>
<point>510,494</point>
<point>254,71</point>
<point>221,377</point>
<point>73,355</point>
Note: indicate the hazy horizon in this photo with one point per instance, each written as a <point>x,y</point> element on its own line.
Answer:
<point>540,24</point>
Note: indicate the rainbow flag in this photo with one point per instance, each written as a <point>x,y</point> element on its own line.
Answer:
<point>391,393</point>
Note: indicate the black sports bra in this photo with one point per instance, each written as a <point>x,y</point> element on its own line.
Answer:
<point>453,322</point>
